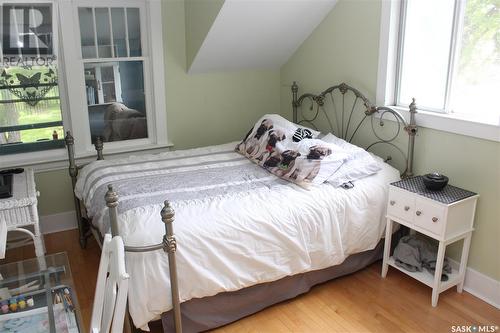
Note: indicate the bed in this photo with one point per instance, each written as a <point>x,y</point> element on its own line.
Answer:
<point>245,239</point>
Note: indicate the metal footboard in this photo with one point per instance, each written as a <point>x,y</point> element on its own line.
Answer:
<point>168,245</point>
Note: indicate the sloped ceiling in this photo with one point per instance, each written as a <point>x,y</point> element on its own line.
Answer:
<point>199,17</point>
<point>251,34</point>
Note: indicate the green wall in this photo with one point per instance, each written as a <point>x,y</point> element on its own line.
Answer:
<point>55,192</point>
<point>202,109</point>
<point>344,48</point>
<point>212,108</point>
<point>199,16</point>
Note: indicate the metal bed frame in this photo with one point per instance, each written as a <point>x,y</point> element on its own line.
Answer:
<point>343,121</point>
<point>169,244</point>
<point>342,129</point>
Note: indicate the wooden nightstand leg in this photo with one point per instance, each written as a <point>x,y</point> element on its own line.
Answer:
<point>463,261</point>
<point>438,273</point>
<point>387,247</point>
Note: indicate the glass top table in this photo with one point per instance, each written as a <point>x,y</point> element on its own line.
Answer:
<point>38,295</point>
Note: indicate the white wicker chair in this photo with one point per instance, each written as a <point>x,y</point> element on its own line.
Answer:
<point>20,211</point>
<point>110,300</point>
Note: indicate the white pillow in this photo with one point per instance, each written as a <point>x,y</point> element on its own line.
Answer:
<point>360,163</point>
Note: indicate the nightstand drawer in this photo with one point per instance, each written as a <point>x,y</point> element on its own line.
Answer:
<point>430,216</point>
<point>401,204</point>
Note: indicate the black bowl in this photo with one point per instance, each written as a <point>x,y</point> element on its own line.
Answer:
<point>435,181</point>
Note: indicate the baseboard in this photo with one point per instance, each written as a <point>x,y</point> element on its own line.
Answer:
<point>58,222</point>
<point>480,285</point>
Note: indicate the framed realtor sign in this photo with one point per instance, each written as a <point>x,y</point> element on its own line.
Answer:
<point>27,31</point>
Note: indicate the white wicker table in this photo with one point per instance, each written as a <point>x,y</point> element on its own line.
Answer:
<point>20,211</point>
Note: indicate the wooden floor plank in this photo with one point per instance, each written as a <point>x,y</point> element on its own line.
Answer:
<point>360,302</point>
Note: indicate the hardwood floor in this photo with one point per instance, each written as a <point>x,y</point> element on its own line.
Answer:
<point>84,264</point>
<point>361,302</point>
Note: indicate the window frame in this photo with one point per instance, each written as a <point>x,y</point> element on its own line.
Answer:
<point>72,85</point>
<point>77,78</point>
<point>32,147</point>
<point>155,106</point>
<point>388,78</point>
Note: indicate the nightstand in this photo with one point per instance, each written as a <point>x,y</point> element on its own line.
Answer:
<point>446,216</point>
<point>20,211</point>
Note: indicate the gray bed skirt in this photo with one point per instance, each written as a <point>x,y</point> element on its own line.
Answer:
<point>201,314</point>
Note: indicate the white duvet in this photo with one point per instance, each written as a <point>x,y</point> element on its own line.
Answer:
<point>236,239</point>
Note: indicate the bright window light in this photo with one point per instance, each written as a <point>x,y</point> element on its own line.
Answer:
<point>449,57</point>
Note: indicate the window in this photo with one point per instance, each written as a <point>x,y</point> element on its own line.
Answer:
<point>115,73</point>
<point>115,89</point>
<point>444,53</point>
<point>30,108</point>
<point>96,72</point>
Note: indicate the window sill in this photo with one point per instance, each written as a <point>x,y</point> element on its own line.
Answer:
<point>57,159</point>
<point>454,123</point>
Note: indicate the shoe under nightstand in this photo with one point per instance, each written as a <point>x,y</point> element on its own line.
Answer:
<point>446,216</point>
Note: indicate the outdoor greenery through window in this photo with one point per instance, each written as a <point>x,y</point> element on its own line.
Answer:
<point>477,80</point>
<point>450,57</point>
<point>30,108</point>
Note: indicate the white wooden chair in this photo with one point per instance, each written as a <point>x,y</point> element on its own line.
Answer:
<point>110,299</point>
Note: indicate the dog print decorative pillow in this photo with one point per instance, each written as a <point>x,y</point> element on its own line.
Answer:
<point>310,161</point>
<point>267,132</point>
<point>274,144</point>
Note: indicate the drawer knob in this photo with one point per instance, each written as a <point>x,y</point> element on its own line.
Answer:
<point>392,202</point>
<point>435,219</point>
<point>407,208</point>
<point>418,213</point>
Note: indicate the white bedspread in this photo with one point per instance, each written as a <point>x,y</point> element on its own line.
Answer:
<point>234,238</point>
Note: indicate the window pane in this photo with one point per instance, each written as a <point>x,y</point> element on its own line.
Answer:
<point>478,72</point>
<point>29,98</point>
<point>134,32</point>
<point>119,33</point>
<point>30,110</point>
<point>117,105</point>
<point>426,50</point>
<point>109,92</point>
<point>87,34</point>
<point>107,74</point>
<point>103,32</point>
<point>91,86</point>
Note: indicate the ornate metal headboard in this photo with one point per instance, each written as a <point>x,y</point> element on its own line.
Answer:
<point>350,109</point>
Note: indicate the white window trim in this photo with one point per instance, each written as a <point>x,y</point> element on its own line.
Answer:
<point>41,161</point>
<point>386,85</point>
<point>69,72</point>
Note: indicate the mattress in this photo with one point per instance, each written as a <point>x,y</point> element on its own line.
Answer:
<point>236,225</point>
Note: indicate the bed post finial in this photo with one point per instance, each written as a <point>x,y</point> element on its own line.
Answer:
<point>99,147</point>
<point>70,145</point>
<point>295,90</point>
<point>412,130</point>
<point>111,198</point>
<point>170,246</point>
